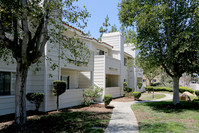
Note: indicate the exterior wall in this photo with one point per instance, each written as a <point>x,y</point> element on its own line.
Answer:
<point>112,66</point>
<point>194,86</point>
<point>74,77</point>
<point>84,79</point>
<point>99,71</point>
<point>74,95</point>
<point>34,84</point>
<point>113,39</point>
<point>116,39</point>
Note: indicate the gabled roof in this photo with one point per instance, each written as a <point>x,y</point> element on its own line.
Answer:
<point>90,38</point>
<point>97,41</point>
<point>74,28</point>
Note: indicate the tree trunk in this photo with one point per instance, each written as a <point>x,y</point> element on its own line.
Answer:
<point>149,82</point>
<point>20,94</point>
<point>176,90</point>
<point>57,103</point>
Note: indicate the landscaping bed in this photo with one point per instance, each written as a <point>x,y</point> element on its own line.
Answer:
<point>161,117</point>
<point>94,118</point>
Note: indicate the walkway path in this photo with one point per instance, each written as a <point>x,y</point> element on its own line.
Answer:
<point>123,119</point>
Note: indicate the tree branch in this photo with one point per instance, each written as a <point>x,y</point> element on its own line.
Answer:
<point>25,28</point>
<point>166,69</point>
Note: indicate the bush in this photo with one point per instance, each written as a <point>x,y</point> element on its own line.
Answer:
<point>130,94</point>
<point>155,84</point>
<point>140,85</point>
<point>195,101</point>
<point>59,88</point>
<point>91,94</point>
<point>107,99</point>
<point>151,88</point>
<point>129,90</point>
<point>136,95</point>
<point>183,89</point>
<point>125,86</point>
<point>197,93</point>
<point>35,98</point>
<point>163,89</point>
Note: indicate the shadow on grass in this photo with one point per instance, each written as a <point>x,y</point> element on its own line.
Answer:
<point>168,107</point>
<point>169,127</point>
<point>64,122</point>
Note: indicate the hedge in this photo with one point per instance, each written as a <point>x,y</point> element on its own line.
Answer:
<point>183,89</point>
<point>155,84</point>
<point>197,93</point>
<point>151,88</point>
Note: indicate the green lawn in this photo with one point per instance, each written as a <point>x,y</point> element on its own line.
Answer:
<point>67,122</point>
<point>148,96</point>
<point>163,117</point>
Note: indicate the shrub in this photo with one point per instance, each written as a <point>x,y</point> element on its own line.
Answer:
<point>149,88</point>
<point>35,98</point>
<point>155,84</point>
<point>125,86</point>
<point>130,94</point>
<point>163,89</point>
<point>91,94</point>
<point>59,88</point>
<point>183,89</point>
<point>197,93</point>
<point>136,95</point>
<point>107,99</point>
<point>129,90</point>
<point>139,85</point>
<point>195,101</point>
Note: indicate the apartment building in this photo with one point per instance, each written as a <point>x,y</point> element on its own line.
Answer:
<point>105,68</point>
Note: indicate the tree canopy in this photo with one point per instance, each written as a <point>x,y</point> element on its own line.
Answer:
<point>166,32</point>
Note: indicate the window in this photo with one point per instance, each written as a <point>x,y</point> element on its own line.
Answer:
<point>144,80</point>
<point>154,80</point>
<point>125,61</point>
<point>100,52</point>
<point>67,80</point>
<point>7,83</point>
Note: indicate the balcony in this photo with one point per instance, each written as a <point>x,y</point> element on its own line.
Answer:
<point>109,64</point>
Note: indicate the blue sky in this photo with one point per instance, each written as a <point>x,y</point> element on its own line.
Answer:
<point>98,10</point>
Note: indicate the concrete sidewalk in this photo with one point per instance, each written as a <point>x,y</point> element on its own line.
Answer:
<point>123,119</point>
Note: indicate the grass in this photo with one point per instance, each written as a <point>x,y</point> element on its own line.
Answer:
<point>66,122</point>
<point>163,117</point>
<point>148,96</point>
